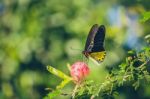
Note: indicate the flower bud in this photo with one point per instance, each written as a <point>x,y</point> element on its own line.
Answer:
<point>79,71</point>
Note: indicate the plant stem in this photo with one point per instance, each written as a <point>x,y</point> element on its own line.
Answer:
<point>74,91</point>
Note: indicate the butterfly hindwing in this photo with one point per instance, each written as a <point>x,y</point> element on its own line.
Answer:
<point>98,56</point>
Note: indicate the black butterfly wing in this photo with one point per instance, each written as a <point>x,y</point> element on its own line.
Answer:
<point>99,40</point>
<point>90,38</point>
<point>98,52</point>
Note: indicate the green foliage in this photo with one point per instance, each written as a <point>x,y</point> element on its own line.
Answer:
<point>145,16</point>
<point>132,72</point>
<point>147,38</point>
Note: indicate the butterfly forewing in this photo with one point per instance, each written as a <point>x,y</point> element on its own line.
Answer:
<point>100,35</point>
<point>91,35</point>
<point>99,40</point>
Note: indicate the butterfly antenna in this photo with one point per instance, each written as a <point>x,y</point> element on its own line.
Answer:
<point>76,49</point>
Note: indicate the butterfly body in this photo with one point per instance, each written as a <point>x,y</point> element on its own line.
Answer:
<point>94,46</point>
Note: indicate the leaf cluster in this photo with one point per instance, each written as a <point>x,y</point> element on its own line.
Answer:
<point>134,71</point>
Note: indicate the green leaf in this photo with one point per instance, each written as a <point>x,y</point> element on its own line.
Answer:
<point>146,16</point>
<point>136,84</point>
<point>63,83</point>
<point>53,94</point>
<point>58,73</point>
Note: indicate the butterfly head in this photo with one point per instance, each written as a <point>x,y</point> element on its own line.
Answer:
<point>85,53</point>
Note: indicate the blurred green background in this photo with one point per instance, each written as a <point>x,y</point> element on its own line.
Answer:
<point>36,33</point>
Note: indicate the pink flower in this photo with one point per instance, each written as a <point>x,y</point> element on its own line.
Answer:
<point>79,71</point>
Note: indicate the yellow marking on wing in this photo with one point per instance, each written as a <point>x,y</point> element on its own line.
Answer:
<point>98,56</point>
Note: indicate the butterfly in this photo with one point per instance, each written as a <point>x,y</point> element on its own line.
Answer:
<point>94,47</point>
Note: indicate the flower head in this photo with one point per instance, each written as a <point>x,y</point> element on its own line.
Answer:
<point>79,71</point>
